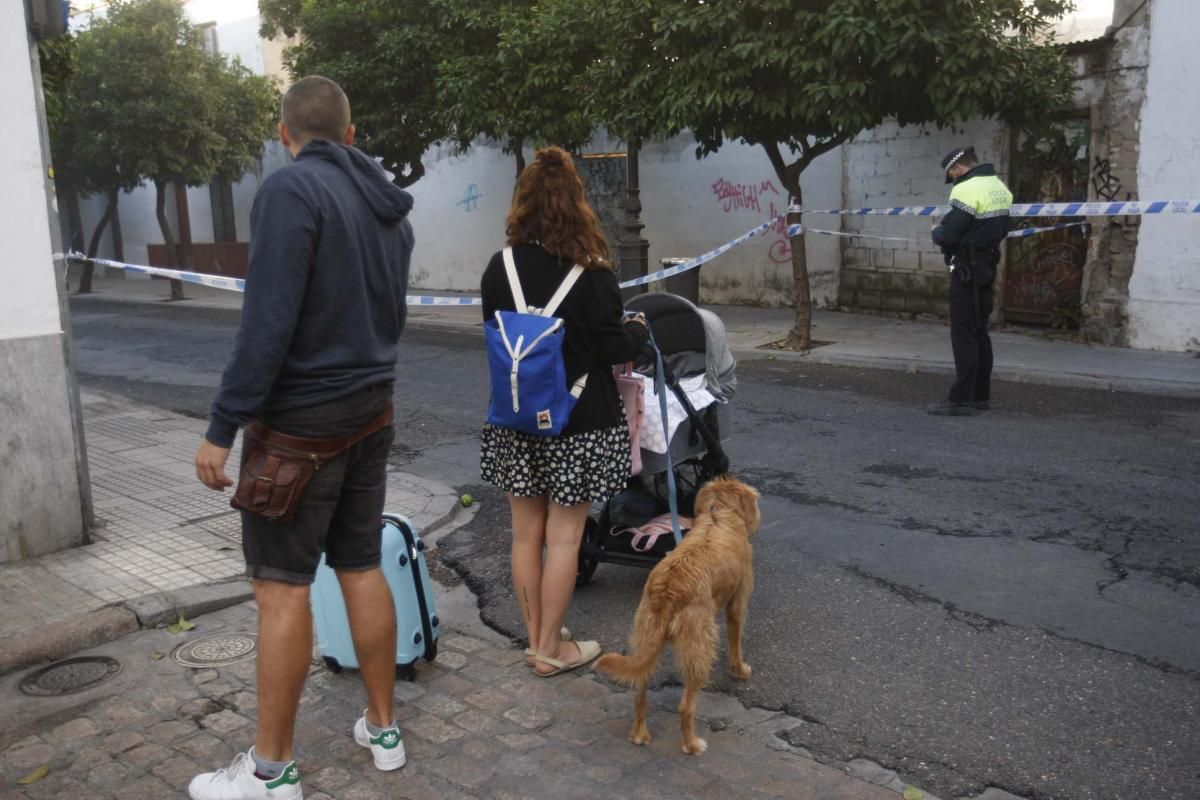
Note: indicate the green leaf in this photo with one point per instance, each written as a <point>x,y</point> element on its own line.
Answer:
<point>181,626</point>
<point>913,793</point>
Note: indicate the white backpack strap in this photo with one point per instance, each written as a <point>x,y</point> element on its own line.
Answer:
<point>514,283</point>
<point>563,288</point>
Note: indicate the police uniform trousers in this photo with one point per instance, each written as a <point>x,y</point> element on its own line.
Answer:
<point>970,308</point>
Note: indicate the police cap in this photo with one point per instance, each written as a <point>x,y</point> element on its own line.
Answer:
<point>954,156</point>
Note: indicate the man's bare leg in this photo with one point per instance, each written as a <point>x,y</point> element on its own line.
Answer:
<point>284,655</point>
<point>373,627</point>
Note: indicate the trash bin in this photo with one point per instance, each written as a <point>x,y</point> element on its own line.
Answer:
<point>685,284</point>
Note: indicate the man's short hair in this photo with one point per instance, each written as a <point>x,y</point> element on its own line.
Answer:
<point>316,108</point>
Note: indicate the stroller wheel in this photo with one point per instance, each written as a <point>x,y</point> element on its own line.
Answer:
<point>587,562</point>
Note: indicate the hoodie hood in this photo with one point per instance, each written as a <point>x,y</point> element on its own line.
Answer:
<point>388,201</point>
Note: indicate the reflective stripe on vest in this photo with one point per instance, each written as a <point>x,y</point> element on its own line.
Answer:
<point>982,197</point>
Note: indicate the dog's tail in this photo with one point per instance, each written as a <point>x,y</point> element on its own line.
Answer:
<point>649,636</point>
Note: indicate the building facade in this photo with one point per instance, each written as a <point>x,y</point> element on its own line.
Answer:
<point>44,499</point>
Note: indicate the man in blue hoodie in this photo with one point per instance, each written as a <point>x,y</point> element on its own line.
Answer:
<point>312,371</point>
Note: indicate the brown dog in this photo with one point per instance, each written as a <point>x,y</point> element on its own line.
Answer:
<point>710,570</point>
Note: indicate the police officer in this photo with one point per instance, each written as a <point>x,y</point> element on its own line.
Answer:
<point>970,236</point>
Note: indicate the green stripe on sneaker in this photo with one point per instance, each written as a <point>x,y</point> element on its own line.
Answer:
<point>290,775</point>
<point>388,739</point>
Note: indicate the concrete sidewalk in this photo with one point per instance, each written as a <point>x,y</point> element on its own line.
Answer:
<point>164,544</point>
<point>855,340</point>
<point>477,725</point>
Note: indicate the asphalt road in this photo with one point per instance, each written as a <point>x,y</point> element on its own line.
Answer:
<point>1007,600</point>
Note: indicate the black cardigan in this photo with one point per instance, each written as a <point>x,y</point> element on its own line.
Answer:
<point>596,336</point>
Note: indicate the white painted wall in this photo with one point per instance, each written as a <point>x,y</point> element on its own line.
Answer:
<point>1164,292</point>
<point>691,206</point>
<point>29,302</point>
<point>42,508</point>
<point>688,206</point>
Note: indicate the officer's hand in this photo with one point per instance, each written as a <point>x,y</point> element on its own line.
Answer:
<point>210,466</point>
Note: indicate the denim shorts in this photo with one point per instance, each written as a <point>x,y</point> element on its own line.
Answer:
<point>341,509</point>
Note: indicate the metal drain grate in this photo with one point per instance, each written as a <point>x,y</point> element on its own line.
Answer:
<point>217,650</point>
<point>70,676</point>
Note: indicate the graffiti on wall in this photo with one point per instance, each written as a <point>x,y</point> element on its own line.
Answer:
<point>1107,185</point>
<point>759,197</point>
<point>470,201</point>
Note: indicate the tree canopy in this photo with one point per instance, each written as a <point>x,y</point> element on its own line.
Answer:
<point>384,54</point>
<point>149,103</point>
<point>509,72</point>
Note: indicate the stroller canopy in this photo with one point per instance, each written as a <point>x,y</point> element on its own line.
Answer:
<point>691,339</point>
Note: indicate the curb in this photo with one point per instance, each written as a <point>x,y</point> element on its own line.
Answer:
<point>62,638</point>
<point>1011,374</point>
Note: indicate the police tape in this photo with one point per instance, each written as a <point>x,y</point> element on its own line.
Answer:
<point>239,284</point>
<point>1127,208</point>
<point>796,230</point>
<point>705,258</point>
<point>1020,233</point>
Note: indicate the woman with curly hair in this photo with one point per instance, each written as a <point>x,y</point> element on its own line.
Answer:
<point>552,481</point>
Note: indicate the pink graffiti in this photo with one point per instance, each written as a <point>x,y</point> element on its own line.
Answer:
<point>751,196</point>
<point>781,251</point>
<point>781,248</point>
<point>736,196</point>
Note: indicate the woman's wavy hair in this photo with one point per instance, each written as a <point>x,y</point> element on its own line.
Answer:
<point>550,207</point>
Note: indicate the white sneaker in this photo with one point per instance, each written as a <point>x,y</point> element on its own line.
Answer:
<point>387,748</point>
<point>238,782</point>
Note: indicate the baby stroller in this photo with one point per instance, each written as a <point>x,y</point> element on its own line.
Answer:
<point>634,528</point>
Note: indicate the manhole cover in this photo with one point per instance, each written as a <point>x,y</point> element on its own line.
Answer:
<point>217,650</point>
<point>70,676</point>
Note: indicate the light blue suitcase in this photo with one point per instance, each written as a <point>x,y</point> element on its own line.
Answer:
<point>412,594</point>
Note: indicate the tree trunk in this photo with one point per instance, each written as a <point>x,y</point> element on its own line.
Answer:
<point>164,227</point>
<point>75,224</point>
<point>519,153</point>
<point>184,218</point>
<point>118,238</point>
<point>800,336</point>
<point>110,206</point>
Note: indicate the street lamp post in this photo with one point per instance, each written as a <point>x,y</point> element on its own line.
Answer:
<point>634,249</point>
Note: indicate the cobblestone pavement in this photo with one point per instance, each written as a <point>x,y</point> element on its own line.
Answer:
<point>477,724</point>
<point>159,530</point>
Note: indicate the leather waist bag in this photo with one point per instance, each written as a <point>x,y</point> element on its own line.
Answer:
<point>276,467</point>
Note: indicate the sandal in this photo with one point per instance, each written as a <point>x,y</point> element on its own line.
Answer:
<point>588,652</point>
<point>564,634</point>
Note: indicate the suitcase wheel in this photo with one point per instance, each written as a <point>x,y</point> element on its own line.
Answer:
<point>432,651</point>
<point>332,664</point>
<point>407,672</point>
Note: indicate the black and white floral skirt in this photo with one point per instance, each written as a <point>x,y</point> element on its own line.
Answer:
<point>580,468</point>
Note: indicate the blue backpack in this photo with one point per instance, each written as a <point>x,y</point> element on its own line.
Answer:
<point>524,347</point>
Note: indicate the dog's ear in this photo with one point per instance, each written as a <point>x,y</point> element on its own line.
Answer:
<point>747,497</point>
<point>708,496</point>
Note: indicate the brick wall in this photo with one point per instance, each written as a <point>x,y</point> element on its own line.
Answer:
<point>895,165</point>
